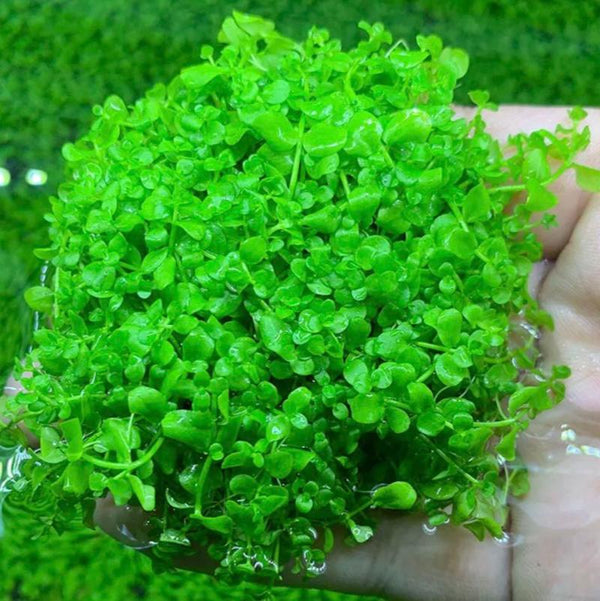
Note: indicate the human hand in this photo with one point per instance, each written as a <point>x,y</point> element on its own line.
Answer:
<point>552,555</point>
<point>553,552</point>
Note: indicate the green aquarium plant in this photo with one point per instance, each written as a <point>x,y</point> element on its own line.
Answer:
<point>287,288</point>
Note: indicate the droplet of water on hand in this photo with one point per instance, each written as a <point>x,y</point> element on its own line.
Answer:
<point>429,530</point>
<point>509,539</point>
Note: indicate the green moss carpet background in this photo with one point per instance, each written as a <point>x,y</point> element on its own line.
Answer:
<point>60,57</point>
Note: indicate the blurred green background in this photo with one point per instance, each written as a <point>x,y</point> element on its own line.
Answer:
<point>60,57</point>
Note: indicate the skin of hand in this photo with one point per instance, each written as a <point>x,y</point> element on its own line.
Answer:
<point>553,553</point>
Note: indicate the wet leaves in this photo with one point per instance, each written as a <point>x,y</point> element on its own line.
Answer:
<point>284,278</point>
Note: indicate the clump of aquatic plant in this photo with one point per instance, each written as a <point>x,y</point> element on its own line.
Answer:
<point>287,288</point>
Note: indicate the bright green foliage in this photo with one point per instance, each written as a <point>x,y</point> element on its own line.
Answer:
<point>398,495</point>
<point>58,58</point>
<point>286,277</point>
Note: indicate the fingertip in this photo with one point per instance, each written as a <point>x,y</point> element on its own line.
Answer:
<point>511,119</point>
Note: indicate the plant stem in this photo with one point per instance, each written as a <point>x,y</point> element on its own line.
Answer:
<point>16,420</point>
<point>425,375</point>
<point>523,187</point>
<point>173,231</point>
<point>388,158</point>
<point>56,287</point>
<point>433,347</point>
<point>479,254</point>
<point>499,423</point>
<point>513,188</point>
<point>201,481</point>
<point>345,185</point>
<point>127,467</point>
<point>297,157</point>
<point>360,508</point>
<point>398,404</point>
<point>449,460</point>
<point>459,216</point>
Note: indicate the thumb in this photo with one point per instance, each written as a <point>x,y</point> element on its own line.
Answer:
<point>571,294</point>
<point>559,521</point>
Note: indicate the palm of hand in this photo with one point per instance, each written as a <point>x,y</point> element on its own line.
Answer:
<point>555,529</point>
